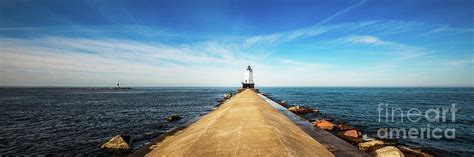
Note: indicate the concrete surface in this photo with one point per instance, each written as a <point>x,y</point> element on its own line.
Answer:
<point>245,125</point>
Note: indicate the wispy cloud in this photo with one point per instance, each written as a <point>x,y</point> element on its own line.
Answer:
<point>299,33</point>
<point>122,49</point>
<point>343,11</point>
<point>110,59</point>
<point>281,37</point>
<point>449,29</point>
<point>172,59</point>
<point>459,63</point>
<point>364,39</point>
<point>364,27</point>
<point>403,51</point>
<point>305,65</point>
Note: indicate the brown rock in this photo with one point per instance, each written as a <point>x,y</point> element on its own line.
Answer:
<point>352,133</point>
<point>324,124</point>
<point>283,103</point>
<point>351,136</point>
<point>119,143</point>
<point>388,151</point>
<point>371,145</point>
<point>349,139</point>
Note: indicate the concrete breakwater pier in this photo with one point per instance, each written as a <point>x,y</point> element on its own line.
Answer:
<point>252,124</point>
<point>249,124</point>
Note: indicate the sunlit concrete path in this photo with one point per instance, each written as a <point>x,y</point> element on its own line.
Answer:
<point>245,125</point>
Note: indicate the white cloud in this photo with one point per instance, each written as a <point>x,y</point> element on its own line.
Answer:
<point>299,33</point>
<point>364,39</point>
<point>459,63</point>
<point>449,29</point>
<point>53,60</point>
<point>365,27</point>
<point>69,61</point>
<point>304,65</point>
<point>122,49</point>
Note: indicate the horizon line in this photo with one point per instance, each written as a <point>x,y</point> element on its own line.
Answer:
<point>81,86</point>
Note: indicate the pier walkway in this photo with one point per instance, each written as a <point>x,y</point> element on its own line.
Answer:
<point>245,125</point>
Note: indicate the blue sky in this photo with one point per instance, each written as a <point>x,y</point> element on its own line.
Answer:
<point>352,43</point>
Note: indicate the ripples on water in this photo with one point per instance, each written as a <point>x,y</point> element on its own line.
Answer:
<point>358,107</point>
<point>78,120</point>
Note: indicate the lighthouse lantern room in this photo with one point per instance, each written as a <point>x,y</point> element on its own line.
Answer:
<point>248,79</point>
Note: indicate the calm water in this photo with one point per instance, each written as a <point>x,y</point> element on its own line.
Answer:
<point>72,121</point>
<point>358,107</point>
<point>77,121</point>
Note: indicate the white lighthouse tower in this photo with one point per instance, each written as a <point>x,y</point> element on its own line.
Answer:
<point>248,79</point>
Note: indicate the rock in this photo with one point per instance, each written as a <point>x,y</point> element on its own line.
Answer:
<point>301,110</point>
<point>118,143</point>
<point>324,124</point>
<point>371,145</point>
<point>227,95</point>
<point>294,109</point>
<point>413,152</point>
<point>350,136</point>
<point>283,103</point>
<point>388,151</point>
<point>366,137</point>
<point>344,127</point>
<point>352,133</point>
<point>173,117</point>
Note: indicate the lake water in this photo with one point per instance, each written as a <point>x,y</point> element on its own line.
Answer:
<point>70,121</point>
<point>359,107</point>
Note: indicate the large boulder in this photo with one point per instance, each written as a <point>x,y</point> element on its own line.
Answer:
<point>388,151</point>
<point>118,143</point>
<point>371,145</point>
<point>324,124</point>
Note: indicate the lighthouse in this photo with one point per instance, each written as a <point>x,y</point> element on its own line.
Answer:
<point>248,79</point>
